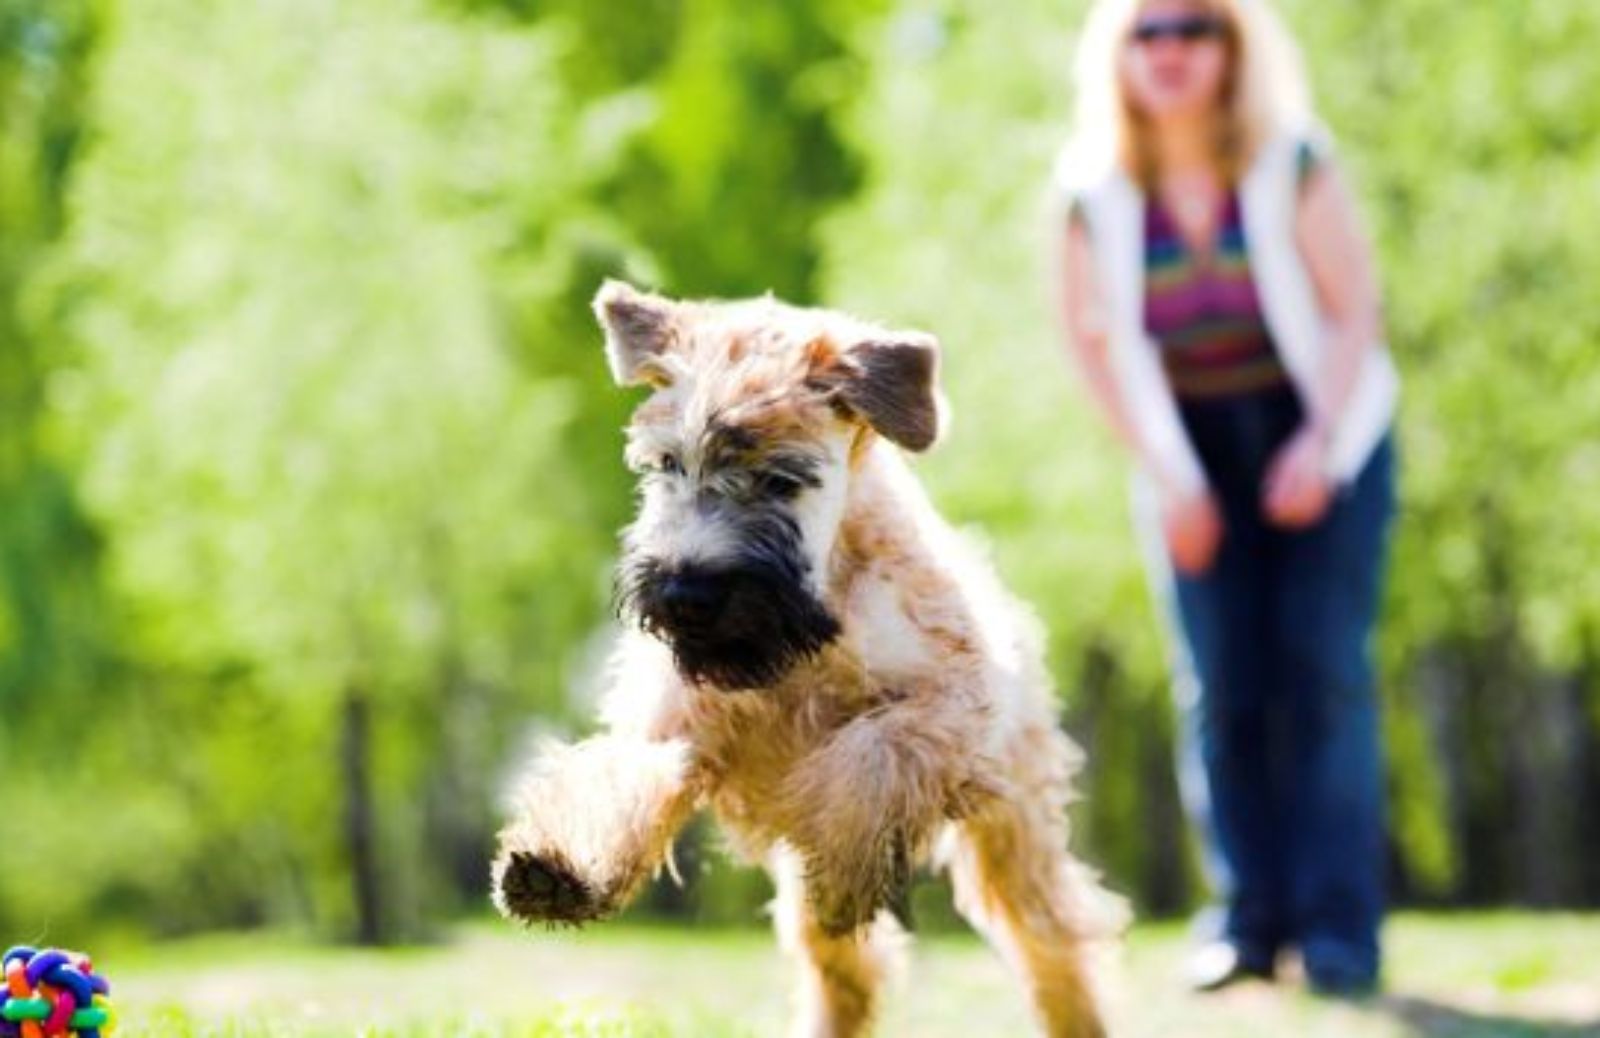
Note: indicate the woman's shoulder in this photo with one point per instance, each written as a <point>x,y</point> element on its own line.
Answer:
<point>1082,175</point>
<point>1291,158</point>
<point>1307,147</point>
<point>1313,153</point>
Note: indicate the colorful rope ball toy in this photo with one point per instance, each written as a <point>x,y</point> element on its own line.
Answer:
<point>51,992</point>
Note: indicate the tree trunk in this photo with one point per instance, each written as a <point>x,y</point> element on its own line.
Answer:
<point>1167,883</point>
<point>457,817</point>
<point>360,817</point>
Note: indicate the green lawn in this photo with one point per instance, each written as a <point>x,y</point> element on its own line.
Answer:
<point>1481,975</point>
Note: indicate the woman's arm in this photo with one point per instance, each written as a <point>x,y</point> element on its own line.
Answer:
<point>1082,311</point>
<point>1339,258</point>
<point>1085,317</point>
<point>1191,521</point>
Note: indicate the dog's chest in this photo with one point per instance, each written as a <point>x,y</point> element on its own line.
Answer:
<point>881,634</point>
<point>754,739</point>
<point>769,728</point>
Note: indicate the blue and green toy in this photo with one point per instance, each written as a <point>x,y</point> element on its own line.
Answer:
<point>52,992</point>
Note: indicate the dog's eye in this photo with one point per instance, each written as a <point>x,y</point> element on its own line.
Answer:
<point>668,464</point>
<point>780,485</point>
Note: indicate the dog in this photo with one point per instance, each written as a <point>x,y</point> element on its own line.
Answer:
<point>813,653</point>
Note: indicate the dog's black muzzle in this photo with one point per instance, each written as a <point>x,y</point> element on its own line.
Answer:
<point>736,626</point>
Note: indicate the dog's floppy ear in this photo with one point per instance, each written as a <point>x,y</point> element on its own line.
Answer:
<point>891,382</point>
<point>639,329</point>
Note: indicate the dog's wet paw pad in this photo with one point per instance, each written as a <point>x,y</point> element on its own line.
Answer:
<point>544,889</point>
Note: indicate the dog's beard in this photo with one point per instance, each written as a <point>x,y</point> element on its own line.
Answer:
<point>768,622</point>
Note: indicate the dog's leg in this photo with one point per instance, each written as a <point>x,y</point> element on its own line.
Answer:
<point>864,805</point>
<point>839,975</point>
<point>1015,882</point>
<point>592,822</point>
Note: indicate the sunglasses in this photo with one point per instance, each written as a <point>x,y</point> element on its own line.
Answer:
<point>1189,29</point>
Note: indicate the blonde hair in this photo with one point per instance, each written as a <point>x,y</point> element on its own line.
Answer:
<point>1264,91</point>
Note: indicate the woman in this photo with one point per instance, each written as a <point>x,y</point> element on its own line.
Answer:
<point>1222,306</point>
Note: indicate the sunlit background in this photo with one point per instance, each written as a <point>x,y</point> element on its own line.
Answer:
<point>309,464</point>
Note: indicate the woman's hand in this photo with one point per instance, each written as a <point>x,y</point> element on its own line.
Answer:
<point>1192,525</point>
<point>1297,491</point>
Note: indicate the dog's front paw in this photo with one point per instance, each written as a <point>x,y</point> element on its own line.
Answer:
<point>545,888</point>
<point>846,893</point>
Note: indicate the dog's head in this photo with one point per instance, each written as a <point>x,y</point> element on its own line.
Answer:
<point>744,452</point>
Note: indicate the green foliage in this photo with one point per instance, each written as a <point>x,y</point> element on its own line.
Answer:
<point>321,465</point>
<point>52,628</point>
<point>293,387</point>
<point>48,622</point>
<point>720,190</point>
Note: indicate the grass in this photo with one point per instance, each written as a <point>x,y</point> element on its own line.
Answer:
<point>1449,977</point>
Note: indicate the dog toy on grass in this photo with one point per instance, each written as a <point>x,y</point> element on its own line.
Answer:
<point>51,992</point>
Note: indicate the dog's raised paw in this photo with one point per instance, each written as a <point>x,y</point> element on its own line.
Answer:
<point>545,888</point>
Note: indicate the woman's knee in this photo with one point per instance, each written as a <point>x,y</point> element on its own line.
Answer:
<point>1321,643</point>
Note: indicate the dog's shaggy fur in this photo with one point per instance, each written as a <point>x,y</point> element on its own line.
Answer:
<point>815,655</point>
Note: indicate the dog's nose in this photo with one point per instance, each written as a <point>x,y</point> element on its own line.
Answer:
<point>691,598</point>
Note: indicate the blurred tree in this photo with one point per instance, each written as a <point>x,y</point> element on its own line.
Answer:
<point>319,459</point>
<point>46,546</point>
<point>52,639</point>
<point>732,112</point>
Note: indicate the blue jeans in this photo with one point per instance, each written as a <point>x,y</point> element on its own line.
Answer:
<point>1280,758</point>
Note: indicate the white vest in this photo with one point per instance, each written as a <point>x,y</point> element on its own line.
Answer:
<point>1114,207</point>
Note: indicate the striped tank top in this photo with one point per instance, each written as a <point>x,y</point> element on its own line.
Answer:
<point>1203,310</point>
